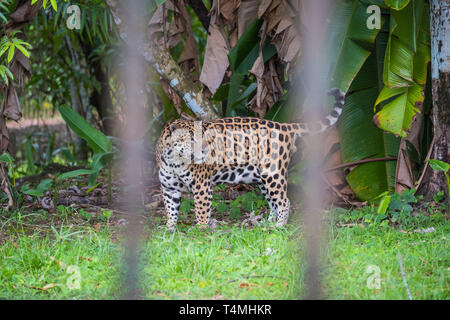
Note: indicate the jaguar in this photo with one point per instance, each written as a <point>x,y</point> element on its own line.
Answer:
<point>196,155</point>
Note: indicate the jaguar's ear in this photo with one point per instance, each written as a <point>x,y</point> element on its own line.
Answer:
<point>173,126</point>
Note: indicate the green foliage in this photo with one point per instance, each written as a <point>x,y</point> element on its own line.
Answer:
<point>10,162</point>
<point>246,202</point>
<point>355,245</point>
<point>59,69</point>
<point>99,161</point>
<point>44,186</point>
<point>405,66</point>
<point>8,45</point>
<point>439,165</point>
<point>360,139</point>
<point>73,174</point>
<point>5,10</point>
<point>442,166</point>
<point>106,215</point>
<point>372,67</point>
<point>35,155</point>
<point>242,87</point>
<point>186,205</point>
<point>95,139</point>
<point>44,264</point>
<point>6,157</point>
<point>397,4</point>
<point>349,40</point>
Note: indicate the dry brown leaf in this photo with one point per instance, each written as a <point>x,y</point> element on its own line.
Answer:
<point>335,177</point>
<point>275,4</point>
<point>25,12</point>
<point>404,177</point>
<point>188,53</point>
<point>275,17</point>
<point>247,12</point>
<point>285,23</point>
<point>258,67</point>
<point>11,105</point>
<point>156,22</point>
<point>289,47</point>
<point>263,7</point>
<point>216,58</point>
<point>48,286</point>
<point>227,8</point>
<point>20,66</point>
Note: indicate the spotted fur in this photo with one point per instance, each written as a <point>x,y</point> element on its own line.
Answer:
<point>194,156</point>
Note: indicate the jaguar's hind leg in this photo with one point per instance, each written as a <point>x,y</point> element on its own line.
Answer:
<point>273,211</point>
<point>283,212</point>
<point>275,190</point>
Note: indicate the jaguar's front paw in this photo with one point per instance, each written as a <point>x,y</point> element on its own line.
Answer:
<point>271,218</point>
<point>170,227</point>
<point>280,223</point>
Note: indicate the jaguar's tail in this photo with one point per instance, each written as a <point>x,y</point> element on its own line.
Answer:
<point>304,129</point>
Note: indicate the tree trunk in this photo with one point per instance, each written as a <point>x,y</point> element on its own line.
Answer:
<point>101,100</point>
<point>440,75</point>
<point>167,68</point>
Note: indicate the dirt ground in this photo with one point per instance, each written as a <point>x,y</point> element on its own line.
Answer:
<point>19,131</point>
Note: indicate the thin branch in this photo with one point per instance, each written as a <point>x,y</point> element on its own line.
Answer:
<point>399,256</point>
<point>354,163</point>
<point>419,182</point>
<point>341,195</point>
<point>255,276</point>
<point>201,11</point>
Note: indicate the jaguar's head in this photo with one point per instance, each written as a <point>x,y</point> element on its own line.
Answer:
<point>176,144</point>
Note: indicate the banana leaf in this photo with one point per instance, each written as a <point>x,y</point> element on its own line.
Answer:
<point>397,4</point>
<point>350,40</point>
<point>405,68</point>
<point>95,139</point>
<point>359,137</point>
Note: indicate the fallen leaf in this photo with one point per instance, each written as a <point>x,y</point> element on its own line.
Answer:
<point>86,258</point>
<point>49,286</point>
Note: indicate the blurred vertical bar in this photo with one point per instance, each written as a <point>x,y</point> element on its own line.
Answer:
<point>312,26</point>
<point>133,78</point>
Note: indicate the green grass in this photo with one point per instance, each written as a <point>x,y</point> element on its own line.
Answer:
<point>231,263</point>
<point>228,263</point>
<point>356,253</point>
<point>48,264</point>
